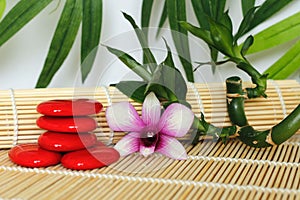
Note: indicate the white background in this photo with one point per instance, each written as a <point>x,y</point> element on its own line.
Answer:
<point>22,57</point>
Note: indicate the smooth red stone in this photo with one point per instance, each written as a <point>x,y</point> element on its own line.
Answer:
<point>32,155</point>
<point>67,124</point>
<point>75,107</point>
<point>99,144</point>
<point>90,158</point>
<point>64,142</point>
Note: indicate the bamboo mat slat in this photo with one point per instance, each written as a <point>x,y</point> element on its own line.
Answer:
<point>212,170</point>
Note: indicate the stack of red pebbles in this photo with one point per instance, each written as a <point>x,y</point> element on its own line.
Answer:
<point>68,140</point>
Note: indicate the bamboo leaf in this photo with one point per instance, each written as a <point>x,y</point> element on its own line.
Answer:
<point>211,9</point>
<point>222,37</point>
<point>133,89</point>
<point>167,82</point>
<point>247,5</point>
<point>169,59</point>
<point>91,31</point>
<point>131,63</point>
<point>146,15</point>
<point>172,78</point>
<point>247,44</point>
<point>281,32</point>
<point>245,25</point>
<point>200,14</point>
<point>62,41</point>
<point>198,32</point>
<point>226,21</point>
<point>217,7</point>
<point>2,7</point>
<point>163,18</point>
<point>148,56</point>
<point>177,12</point>
<point>266,10</point>
<point>19,16</point>
<point>286,65</point>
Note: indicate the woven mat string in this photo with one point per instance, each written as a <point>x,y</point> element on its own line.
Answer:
<point>109,102</point>
<point>278,90</point>
<point>198,96</point>
<point>15,116</point>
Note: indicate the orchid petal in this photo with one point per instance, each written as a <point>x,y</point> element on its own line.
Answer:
<point>176,120</point>
<point>123,117</point>
<point>130,143</point>
<point>151,111</point>
<point>171,147</point>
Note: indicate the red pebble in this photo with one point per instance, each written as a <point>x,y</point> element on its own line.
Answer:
<point>32,155</point>
<point>63,142</point>
<point>67,124</point>
<point>99,144</point>
<point>76,107</point>
<point>91,158</point>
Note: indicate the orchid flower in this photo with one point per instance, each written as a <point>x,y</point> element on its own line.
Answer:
<point>153,132</point>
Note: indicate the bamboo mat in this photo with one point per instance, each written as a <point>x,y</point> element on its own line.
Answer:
<point>212,170</point>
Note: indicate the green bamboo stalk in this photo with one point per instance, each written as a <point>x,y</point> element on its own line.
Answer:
<point>202,128</point>
<point>254,138</point>
<point>235,101</point>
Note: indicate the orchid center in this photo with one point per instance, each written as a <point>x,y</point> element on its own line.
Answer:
<point>149,138</point>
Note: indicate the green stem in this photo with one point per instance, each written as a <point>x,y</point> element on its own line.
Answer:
<point>256,77</point>
<point>204,128</point>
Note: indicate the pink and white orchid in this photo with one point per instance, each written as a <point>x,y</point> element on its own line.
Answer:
<point>152,132</point>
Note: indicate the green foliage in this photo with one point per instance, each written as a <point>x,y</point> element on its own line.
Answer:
<point>286,65</point>
<point>277,34</point>
<point>19,16</point>
<point>149,59</point>
<point>216,26</point>
<point>266,10</point>
<point>91,31</point>
<point>164,79</point>
<point>89,12</point>
<point>131,63</point>
<point>247,5</point>
<point>146,13</point>
<point>62,41</point>
<point>2,7</point>
<point>177,12</point>
<point>133,89</point>
<point>210,14</point>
